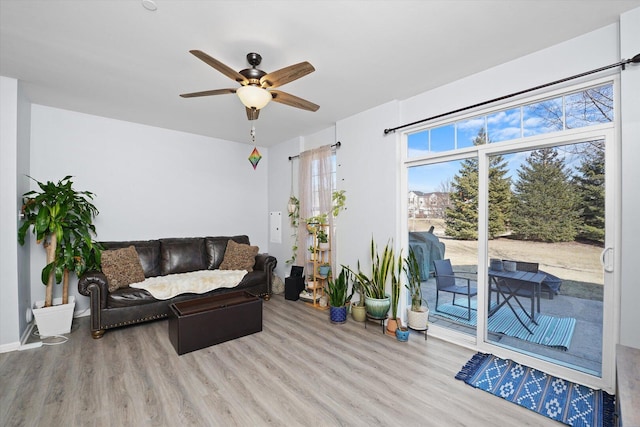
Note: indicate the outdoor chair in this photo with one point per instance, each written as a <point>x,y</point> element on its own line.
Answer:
<point>448,281</point>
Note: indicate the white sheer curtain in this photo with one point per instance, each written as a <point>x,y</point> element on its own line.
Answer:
<point>316,187</point>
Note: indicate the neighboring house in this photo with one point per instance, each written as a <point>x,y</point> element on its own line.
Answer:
<point>427,205</point>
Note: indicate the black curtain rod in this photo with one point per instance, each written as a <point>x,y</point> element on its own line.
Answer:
<point>622,63</point>
<point>336,145</point>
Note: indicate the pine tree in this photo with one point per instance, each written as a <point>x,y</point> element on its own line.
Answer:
<point>545,204</point>
<point>590,187</point>
<point>462,217</point>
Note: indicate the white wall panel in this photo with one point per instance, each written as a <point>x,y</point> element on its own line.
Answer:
<point>150,182</point>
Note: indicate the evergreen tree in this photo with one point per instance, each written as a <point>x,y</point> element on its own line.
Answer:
<point>499,196</point>
<point>462,216</point>
<point>545,203</point>
<point>590,188</point>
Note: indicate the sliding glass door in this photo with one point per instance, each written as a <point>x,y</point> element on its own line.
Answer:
<point>545,233</point>
<point>438,233</point>
<point>519,204</point>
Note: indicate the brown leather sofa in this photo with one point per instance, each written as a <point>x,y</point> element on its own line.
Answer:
<point>128,306</point>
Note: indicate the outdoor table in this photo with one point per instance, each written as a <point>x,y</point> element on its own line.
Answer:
<point>518,280</point>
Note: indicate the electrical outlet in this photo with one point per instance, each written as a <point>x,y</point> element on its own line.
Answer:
<point>29,315</point>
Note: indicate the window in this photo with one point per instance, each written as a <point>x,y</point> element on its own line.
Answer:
<point>547,200</point>
<point>579,109</point>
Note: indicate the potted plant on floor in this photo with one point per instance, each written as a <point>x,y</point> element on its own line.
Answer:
<point>417,314</point>
<point>62,220</point>
<point>337,289</point>
<point>396,278</point>
<point>358,310</point>
<point>376,300</point>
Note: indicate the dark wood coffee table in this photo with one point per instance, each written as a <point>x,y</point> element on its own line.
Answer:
<point>206,321</point>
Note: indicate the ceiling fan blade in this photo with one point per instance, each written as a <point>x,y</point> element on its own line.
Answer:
<point>293,101</point>
<point>208,93</point>
<point>286,75</point>
<point>224,69</point>
<point>252,113</point>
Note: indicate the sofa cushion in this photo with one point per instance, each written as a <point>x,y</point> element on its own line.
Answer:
<point>148,253</point>
<point>216,247</point>
<point>182,255</point>
<point>122,267</point>
<point>239,256</point>
<point>128,297</point>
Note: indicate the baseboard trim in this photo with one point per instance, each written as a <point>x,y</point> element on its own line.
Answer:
<point>12,346</point>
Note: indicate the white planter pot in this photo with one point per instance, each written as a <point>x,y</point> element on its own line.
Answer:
<point>55,320</point>
<point>418,320</point>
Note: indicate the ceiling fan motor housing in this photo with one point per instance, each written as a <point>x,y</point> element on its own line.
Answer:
<point>253,74</point>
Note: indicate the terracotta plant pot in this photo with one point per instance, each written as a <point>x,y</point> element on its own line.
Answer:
<point>392,325</point>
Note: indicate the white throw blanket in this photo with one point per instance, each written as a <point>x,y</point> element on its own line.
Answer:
<point>196,282</point>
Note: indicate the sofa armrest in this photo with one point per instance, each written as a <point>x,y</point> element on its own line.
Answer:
<point>94,284</point>
<point>262,262</point>
<point>266,263</point>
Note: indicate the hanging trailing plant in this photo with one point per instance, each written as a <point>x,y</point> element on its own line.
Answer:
<point>338,200</point>
<point>293,207</point>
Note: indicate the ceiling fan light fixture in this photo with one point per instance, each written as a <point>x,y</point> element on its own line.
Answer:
<point>253,96</point>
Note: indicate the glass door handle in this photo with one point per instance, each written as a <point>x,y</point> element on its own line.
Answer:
<point>604,260</point>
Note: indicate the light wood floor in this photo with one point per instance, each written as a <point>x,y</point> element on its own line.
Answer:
<point>301,370</point>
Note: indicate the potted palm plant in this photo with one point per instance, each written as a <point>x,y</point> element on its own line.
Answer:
<point>417,314</point>
<point>337,289</point>
<point>62,220</point>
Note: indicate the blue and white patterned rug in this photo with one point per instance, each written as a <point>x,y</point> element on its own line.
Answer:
<point>561,400</point>
<point>550,331</point>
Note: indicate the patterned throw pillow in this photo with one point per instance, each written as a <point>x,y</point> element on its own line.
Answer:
<point>122,267</point>
<point>239,256</point>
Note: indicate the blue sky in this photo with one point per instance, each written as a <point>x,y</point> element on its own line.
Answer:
<point>529,120</point>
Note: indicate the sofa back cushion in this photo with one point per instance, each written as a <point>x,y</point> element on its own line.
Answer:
<point>148,252</point>
<point>182,255</point>
<point>217,246</point>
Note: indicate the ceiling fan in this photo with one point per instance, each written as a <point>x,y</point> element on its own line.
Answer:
<point>256,86</point>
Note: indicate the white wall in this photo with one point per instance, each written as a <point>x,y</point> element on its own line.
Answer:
<point>369,161</point>
<point>9,333</point>
<point>149,182</point>
<point>279,191</point>
<point>630,97</point>
<point>368,172</point>
<point>587,52</point>
<point>23,167</point>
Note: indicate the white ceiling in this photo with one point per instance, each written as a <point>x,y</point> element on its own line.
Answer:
<point>116,59</point>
